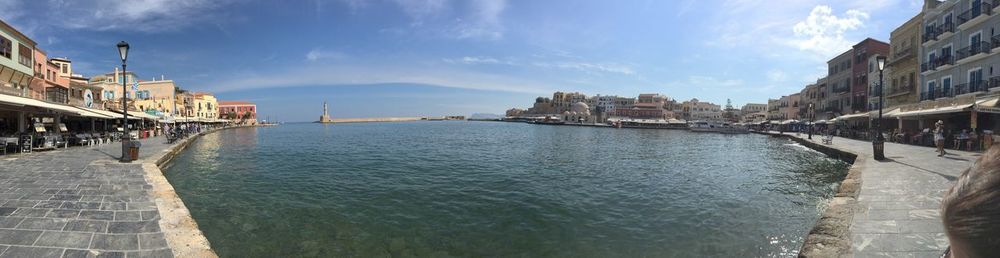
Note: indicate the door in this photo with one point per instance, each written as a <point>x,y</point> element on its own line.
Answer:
<point>976,8</point>
<point>975,79</point>
<point>930,91</point>
<point>946,86</point>
<point>974,44</point>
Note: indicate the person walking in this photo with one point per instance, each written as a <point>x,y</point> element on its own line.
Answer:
<point>939,137</point>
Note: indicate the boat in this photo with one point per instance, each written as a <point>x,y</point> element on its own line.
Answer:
<point>710,127</point>
<point>672,124</point>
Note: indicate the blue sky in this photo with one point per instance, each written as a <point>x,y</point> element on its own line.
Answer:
<point>443,57</point>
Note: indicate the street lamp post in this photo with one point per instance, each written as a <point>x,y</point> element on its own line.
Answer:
<point>878,144</point>
<point>123,53</point>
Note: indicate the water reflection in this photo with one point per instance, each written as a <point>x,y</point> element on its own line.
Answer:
<point>497,189</point>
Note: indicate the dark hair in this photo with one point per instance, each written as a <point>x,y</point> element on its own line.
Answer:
<point>970,210</point>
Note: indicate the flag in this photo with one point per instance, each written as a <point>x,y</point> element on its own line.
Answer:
<point>135,86</point>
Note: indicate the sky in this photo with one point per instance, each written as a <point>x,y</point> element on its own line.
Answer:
<point>378,58</point>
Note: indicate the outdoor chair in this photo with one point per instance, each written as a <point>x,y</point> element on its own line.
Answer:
<point>828,139</point>
<point>3,146</point>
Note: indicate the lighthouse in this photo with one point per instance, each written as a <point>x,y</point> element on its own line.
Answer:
<point>325,118</point>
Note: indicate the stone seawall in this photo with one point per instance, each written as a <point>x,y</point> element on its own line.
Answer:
<point>831,237</point>
<point>180,229</point>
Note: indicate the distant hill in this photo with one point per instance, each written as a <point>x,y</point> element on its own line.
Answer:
<point>485,116</point>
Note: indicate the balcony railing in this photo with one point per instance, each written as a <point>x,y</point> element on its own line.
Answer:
<point>930,33</point>
<point>841,89</point>
<point>945,28</point>
<point>928,95</point>
<point>904,53</point>
<point>984,8</point>
<point>976,48</point>
<point>900,89</point>
<point>995,39</point>
<point>944,60</point>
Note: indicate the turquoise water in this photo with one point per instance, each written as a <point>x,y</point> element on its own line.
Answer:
<point>474,189</point>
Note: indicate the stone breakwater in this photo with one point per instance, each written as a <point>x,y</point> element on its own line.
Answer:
<point>883,208</point>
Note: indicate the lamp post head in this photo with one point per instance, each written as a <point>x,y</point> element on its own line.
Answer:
<point>881,62</point>
<point>123,50</point>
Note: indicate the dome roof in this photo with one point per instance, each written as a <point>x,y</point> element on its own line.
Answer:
<point>580,107</point>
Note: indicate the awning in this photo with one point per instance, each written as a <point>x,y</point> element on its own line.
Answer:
<point>934,111</point>
<point>140,115</point>
<point>988,106</point>
<point>22,101</point>
<point>853,116</point>
<point>95,113</point>
<point>789,121</point>
<point>820,122</point>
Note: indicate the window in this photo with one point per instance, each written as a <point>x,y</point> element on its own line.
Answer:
<point>65,68</point>
<point>5,47</point>
<point>24,55</point>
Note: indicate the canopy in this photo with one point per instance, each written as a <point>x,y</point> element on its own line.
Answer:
<point>95,113</point>
<point>21,101</point>
<point>853,116</point>
<point>820,122</point>
<point>933,111</point>
<point>789,121</point>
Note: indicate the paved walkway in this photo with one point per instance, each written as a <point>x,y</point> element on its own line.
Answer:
<point>898,204</point>
<point>79,202</point>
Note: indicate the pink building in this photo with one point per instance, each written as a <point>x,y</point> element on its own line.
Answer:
<point>48,85</point>
<point>240,111</point>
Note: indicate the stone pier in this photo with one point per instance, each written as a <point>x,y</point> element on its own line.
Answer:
<point>81,202</point>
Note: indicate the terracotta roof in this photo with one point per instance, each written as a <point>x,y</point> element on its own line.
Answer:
<point>233,103</point>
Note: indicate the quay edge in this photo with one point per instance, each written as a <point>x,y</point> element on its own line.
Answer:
<point>830,236</point>
<point>181,231</point>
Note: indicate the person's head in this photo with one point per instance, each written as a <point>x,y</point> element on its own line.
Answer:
<point>970,210</point>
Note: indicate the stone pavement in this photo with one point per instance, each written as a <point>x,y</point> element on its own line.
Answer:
<point>79,202</point>
<point>897,213</point>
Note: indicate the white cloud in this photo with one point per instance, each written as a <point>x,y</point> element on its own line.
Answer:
<point>776,75</point>
<point>483,21</point>
<point>136,15</point>
<point>419,10</point>
<point>590,68</point>
<point>472,60</point>
<point>319,53</point>
<point>333,75</point>
<point>823,32</point>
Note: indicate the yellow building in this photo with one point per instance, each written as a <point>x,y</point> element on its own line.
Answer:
<point>156,97</point>
<point>205,105</point>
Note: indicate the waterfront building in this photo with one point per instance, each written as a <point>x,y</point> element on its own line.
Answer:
<point>863,52</point>
<point>602,104</point>
<point>695,110</point>
<point>751,108</point>
<point>903,63</point>
<point>646,106</point>
<point>16,60</point>
<point>820,110</point>
<point>207,107</point>
<point>48,85</point>
<point>773,107</point>
<point>789,107</point>
<point>111,88</point>
<point>243,112</point>
<point>808,103</point>
<point>873,81</point>
<point>838,94</point>
<point>185,103</point>
<point>157,97</point>
<point>562,101</point>
<point>542,106</point>
<point>515,112</point>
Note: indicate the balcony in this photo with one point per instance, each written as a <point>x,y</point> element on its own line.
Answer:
<point>995,40</point>
<point>945,31</point>
<point>841,89</point>
<point>928,95</point>
<point>899,91</point>
<point>973,52</point>
<point>904,54</point>
<point>930,35</point>
<point>975,15</point>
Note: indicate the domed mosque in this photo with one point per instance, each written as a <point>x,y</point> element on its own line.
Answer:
<point>579,112</point>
